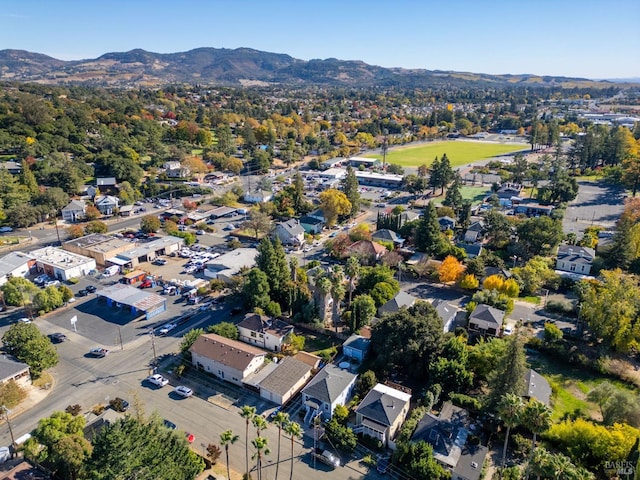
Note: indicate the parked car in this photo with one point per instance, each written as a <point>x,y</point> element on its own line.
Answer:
<point>99,352</point>
<point>230,227</point>
<point>6,229</point>
<point>194,300</point>
<point>200,232</point>
<point>183,391</point>
<point>236,310</point>
<point>41,279</point>
<point>326,457</point>
<point>157,380</point>
<point>170,425</point>
<point>148,283</point>
<point>119,404</point>
<point>167,328</point>
<point>82,293</point>
<point>52,283</point>
<point>91,289</point>
<point>57,337</point>
<point>159,261</point>
<point>24,320</point>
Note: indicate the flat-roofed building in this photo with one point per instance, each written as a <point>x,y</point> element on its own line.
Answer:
<point>376,179</point>
<point>97,246</point>
<point>137,301</point>
<point>226,266</point>
<point>147,252</point>
<point>62,264</point>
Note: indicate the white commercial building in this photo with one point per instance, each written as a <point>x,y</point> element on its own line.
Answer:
<point>226,266</point>
<point>62,265</point>
<point>15,264</point>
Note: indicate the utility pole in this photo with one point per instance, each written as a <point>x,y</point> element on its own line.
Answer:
<point>385,145</point>
<point>55,222</point>
<point>5,410</point>
<point>153,345</point>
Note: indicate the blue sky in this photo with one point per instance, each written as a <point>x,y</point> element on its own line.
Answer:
<point>582,38</point>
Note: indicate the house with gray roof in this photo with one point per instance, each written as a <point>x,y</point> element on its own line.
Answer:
<point>447,223</point>
<point>386,235</point>
<point>575,259</point>
<point>107,204</point>
<point>382,412</point>
<point>264,332</point>
<point>447,433</point>
<point>474,232</point>
<point>290,232</point>
<point>330,387</point>
<point>486,320</point>
<point>15,264</point>
<point>285,381</point>
<point>446,312</point>
<point>11,369</point>
<point>537,387</point>
<point>74,211</point>
<point>401,300</point>
<point>357,347</point>
<point>472,250</point>
<point>14,168</point>
<point>311,225</point>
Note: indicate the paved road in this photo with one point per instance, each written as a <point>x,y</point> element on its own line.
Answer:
<point>597,203</point>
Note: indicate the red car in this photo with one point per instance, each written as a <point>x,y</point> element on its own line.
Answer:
<point>191,437</point>
<point>146,284</point>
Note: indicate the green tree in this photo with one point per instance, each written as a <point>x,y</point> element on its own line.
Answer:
<point>224,329</point>
<point>258,222</point>
<point>454,198</point>
<point>508,376</point>
<point>510,410</point>
<point>25,342</point>
<point>247,412</point>
<point>294,431</point>
<point>363,310</point>
<point>536,418</point>
<point>352,270</point>
<point>260,444</point>
<point>142,440</point>
<point>66,293</point>
<point>536,272</point>
<point>11,394</point>
<point>18,291</point>
<point>539,236</point>
<point>188,339</point>
<point>416,459</point>
<point>228,438</point>
<point>334,203</point>
<point>497,229</point>
<point>365,382</point>
<point>256,289</point>
<point>350,188</point>
<point>95,226</point>
<point>407,341</point>
<point>552,334</point>
<point>341,436</point>
<point>450,368</point>
<point>428,237</point>
<point>150,224</point>
<point>48,299</point>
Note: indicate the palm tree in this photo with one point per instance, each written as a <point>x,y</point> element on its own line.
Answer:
<point>260,423</point>
<point>337,291</point>
<point>323,284</point>
<point>560,466</point>
<point>281,420</point>
<point>228,438</point>
<point>510,411</point>
<point>540,463</point>
<point>247,413</point>
<point>537,419</point>
<point>260,444</point>
<point>294,430</point>
<point>352,270</point>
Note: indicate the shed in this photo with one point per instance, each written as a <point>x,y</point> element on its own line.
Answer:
<point>134,277</point>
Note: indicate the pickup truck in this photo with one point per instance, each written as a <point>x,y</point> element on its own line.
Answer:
<point>326,457</point>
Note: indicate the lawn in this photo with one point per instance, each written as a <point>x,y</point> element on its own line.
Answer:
<point>570,386</point>
<point>459,152</point>
<point>475,194</point>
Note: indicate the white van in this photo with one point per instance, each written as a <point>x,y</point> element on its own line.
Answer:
<point>111,271</point>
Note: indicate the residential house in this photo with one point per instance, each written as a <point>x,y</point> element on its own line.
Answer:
<point>311,225</point>
<point>330,387</point>
<point>289,232</point>
<point>382,412</point>
<point>285,380</point>
<point>14,168</point>
<point>532,209</point>
<point>11,369</point>
<point>472,250</point>
<point>107,204</point>
<point>126,210</point>
<point>409,216</point>
<point>447,433</point>
<point>447,223</point>
<point>389,236</point>
<point>509,190</point>
<point>258,196</point>
<point>91,191</point>
<point>486,320</point>
<point>318,215</point>
<point>264,332</point>
<point>74,211</point>
<point>15,264</point>
<point>175,169</point>
<point>367,251</point>
<point>447,313</point>
<point>356,347</point>
<point>474,232</point>
<point>575,259</point>
<point>106,182</point>
<point>401,300</point>
<point>227,359</point>
<point>537,387</point>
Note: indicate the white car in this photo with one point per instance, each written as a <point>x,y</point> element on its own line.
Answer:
<point>24,320</point>
<point>99,352</point>
<point>183,391</point>
<point>167,328</point>
<point>157,380</point>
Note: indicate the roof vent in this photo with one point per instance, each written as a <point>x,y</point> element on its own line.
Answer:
<point>474,465</point>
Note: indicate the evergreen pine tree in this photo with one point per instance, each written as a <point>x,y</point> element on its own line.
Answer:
<point>508,375</point>
<point>350,189</point>
<point>429,238</point>
<point>280,277</point>
<point>298,192</point>
<point>434,174</point>
<point>446,173</point>
<point>453,198</point>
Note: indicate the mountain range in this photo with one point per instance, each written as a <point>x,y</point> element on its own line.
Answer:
<point>246,66</point>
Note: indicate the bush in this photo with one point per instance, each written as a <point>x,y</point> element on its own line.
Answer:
<point>11,394</point>
<point>559,306</point>
<point>73,409</point>
<point>411,423</point>
<point>465,401</point>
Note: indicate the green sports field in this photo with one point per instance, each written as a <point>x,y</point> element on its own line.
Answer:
<point>459,152</point>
